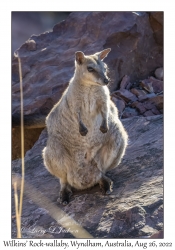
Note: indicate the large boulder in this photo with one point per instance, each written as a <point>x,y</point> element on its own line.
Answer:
<point>48,59</point>
<point>133,210</point>
<point>26,23</point>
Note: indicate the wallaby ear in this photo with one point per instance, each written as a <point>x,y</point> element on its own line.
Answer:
<point>79,56</point>
<point>104,53</point>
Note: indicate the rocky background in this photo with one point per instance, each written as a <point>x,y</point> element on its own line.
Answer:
<point>24,24</point>
<point>135,208</point>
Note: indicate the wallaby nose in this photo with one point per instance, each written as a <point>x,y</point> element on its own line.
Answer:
<point>106,80</point>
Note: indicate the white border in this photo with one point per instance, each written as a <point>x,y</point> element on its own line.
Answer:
<point>5,100</point>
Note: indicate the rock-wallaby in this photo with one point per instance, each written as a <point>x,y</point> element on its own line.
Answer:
<point>85,135</point>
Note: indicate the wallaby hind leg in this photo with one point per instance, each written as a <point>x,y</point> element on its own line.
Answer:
<point>65,196</point>
<point>65,193</point>
<point>105,185</point>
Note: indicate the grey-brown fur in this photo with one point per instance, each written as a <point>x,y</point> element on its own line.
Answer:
<point>85,135</point>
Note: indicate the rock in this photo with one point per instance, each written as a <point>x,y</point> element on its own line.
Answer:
<point>31,136</point>
<point>132,219</point>
<point>149,105</point>
<point>120,104</point>
<point>156,21</point>
<point>129,112</point>
<point>129,85</point>
<point>31,45</point>
<point>125,81</point>
<point>138,92</point>
<point>26,23</point>
<point>159,73</point>
<point>158,235</point>
<point>147,108</point>
<point>40,211</point>
<point>45,220</point>
<point>146,230</point>
<point>133,210</point>
<point>157,101</point>
<point>148,113</point>
<point>126,95</point>
<point>147,85</point>
<point>155,111</point>
<point>139,106</point>
<point>48,59</point>
<point>146,97</point>
<point>152,85</point>
<point>156,84</point>
<point>158,16</point>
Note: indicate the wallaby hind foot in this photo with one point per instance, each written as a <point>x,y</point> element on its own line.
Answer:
<point>105,185</point>
<point>65,195</point>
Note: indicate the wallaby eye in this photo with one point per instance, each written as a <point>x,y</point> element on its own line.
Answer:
<point>90,69</point>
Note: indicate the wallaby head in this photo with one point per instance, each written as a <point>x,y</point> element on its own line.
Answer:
<point>91,69</point>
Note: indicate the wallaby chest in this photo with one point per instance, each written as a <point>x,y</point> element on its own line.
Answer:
<point>90,102</point>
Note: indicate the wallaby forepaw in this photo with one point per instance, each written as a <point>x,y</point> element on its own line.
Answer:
<point>83,131</point>
<point>104,129</point>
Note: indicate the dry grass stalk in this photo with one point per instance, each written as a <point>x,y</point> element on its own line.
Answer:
<point>18,205</point>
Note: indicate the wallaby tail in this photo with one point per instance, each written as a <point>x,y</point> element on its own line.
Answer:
<point>30,121</point>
